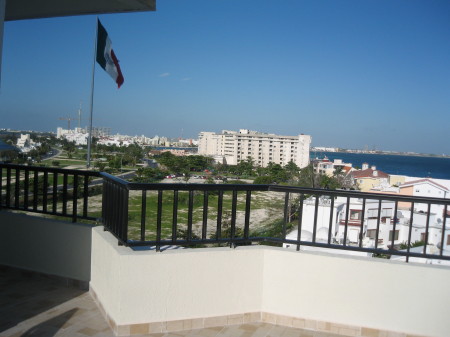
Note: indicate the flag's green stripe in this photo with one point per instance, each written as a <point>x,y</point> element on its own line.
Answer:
<point>101,43</point>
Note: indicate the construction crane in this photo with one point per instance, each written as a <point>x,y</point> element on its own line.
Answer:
<point>68,119</point>
<point>79,117</point>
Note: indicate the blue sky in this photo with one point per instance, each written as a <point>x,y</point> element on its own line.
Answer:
<point>352,74</point>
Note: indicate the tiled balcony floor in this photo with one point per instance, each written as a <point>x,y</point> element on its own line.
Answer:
<point>35,306</point>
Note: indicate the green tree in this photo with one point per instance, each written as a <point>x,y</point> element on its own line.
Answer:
<point>209,180</point>
<point>277,172</point>
<point>133,153</point>
<point>100,165</point>
<point>172,163</point>
<point>263,180</point>
<point>307,177</point>
<point>69,147</point>
<point>149,175</point>
<point>245,167</point>
<point>198,163</point>
<point>115,162</point>
<point>292,171</point>
<point>327,182</point>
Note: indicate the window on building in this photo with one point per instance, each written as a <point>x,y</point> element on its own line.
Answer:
<point>423,236</point>
<point>355,214</point>
<point>385,219</point>
<point>372,213</point>
<point>371,233</point>
<point>391,233</point>
<point>448,240</point>
<point>387,211</point>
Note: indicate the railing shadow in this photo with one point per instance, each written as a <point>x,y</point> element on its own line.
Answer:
<point>51,326</point>
<point>27,294</point>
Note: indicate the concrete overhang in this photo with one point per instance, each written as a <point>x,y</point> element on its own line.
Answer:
<point>34,9</point>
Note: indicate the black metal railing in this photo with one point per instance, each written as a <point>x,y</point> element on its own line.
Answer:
<point>149,215</point>
<point>53,191</point>
<point>199,215</point>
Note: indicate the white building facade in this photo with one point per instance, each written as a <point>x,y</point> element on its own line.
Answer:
<point>372,223</point>
<point>263,148</point>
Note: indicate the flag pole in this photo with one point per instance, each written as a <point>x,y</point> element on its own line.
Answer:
<point>88,163</point>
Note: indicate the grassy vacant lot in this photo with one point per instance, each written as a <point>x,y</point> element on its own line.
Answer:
<point>63,162</point>
<point>265,207</point>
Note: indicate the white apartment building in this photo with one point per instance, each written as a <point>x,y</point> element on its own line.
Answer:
<point>263,148</point>
<point>364,225</point>
<point>78,135</point>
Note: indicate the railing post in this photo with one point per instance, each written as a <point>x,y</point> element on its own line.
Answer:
<point>248,200</point>
<point>124,216</point>
<point>17,189</point>
<point>219,215</point>
<point>286,215</point>
<point>411,218</point>
<point>175,216</point>
<point>361,228</point>
<point>443,231</point>
<point>45,193</point>
<point>233,219</point>
<point>158,221</point>
<point>330,225</point>
<point>300,221</point>
<point>143,214</point>
<point>75,198</point>
<point>205,214</point>
<point>347,215</point>
<point>427,228</point>
<point>8,187</point>
<point>316,210</point>
<point>190,211</point>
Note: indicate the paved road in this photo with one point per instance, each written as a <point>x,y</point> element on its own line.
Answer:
<point>53,153</point>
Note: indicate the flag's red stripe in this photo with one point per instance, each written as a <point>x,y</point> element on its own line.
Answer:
<point>119,79</point>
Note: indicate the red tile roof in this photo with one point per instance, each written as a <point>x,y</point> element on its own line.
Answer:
<point>369,173</point>
<point>421,181</point>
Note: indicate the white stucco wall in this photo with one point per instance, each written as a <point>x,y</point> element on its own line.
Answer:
<point>143,287</point>
<point>47,246</point>
<point>364,292</point>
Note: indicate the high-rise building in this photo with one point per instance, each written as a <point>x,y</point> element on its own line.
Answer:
<point>235,146</point>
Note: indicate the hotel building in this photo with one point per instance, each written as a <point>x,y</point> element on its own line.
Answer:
<point>231,147</point>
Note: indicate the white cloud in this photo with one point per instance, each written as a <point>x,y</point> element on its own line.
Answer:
<point>185,79</point>
<point>164,75</point>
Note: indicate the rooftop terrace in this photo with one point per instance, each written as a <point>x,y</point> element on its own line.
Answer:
<point>235,285</point>
<point>33,304</point>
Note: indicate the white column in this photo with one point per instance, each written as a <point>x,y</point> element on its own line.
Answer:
<point>2,19</point>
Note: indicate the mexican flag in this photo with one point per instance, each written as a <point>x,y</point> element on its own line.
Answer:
<point>106,56</point>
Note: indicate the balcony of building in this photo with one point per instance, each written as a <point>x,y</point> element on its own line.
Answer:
<point>184,260</point>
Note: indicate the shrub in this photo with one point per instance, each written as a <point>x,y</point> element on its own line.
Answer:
<point>263,180</point>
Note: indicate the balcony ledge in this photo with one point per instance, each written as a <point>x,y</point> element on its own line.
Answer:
<point>268,284</point>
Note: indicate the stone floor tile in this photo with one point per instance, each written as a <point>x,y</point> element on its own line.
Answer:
<point>34,306</point>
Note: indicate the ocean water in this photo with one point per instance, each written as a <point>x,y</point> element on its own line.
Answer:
<point>433,167</point>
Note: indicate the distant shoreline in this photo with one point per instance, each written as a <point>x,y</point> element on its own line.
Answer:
<point>389,153</point>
